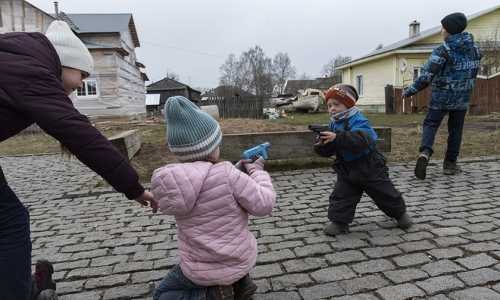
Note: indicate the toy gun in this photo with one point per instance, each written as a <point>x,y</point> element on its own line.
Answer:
<point>257,151</point>
<point>318,129</point>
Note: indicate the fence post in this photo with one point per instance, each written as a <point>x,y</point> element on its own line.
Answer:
<point>389,99</point>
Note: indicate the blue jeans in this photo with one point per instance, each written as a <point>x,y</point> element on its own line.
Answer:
<point>15,247</point>
<point>176,286</point>
<point>456,119</point>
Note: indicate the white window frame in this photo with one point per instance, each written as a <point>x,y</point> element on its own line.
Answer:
<point>360,85</point>
<point>86,89</point>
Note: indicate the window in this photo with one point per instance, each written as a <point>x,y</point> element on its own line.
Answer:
<point>89,89</point>
<point>416,73</point>
<point>1,21</point>
<point>359,84</point>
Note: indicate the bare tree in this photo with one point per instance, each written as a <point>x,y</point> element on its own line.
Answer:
<point>490,48</point>
<point>172,75</point>
<point>256,71</point>
<point>330,69</point>
<point>229,71</point>
<point>282,70</point>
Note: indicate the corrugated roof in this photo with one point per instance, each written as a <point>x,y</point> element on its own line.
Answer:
<point>322,83</point>
<point>105,23</point>
<point>168,84</point>
<point>408,41</point>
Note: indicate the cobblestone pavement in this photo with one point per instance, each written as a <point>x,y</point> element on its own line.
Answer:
<point>106,247</point>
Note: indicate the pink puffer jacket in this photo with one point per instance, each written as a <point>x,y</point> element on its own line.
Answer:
<point>211,203</point>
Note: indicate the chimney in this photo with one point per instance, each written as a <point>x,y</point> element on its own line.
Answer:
<point>56,8</point>
<point>414,29</point>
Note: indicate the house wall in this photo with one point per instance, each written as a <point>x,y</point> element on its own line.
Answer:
<point>376,75</point>
<point>404,79</point>
<point>21,16</point>
<point>483,28</point>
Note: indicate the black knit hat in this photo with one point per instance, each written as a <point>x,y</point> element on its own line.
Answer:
<point>454,23</point>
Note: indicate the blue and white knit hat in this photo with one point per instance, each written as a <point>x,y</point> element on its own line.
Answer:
<point>192,134</point>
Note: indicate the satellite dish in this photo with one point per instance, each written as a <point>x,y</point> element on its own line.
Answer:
<point>403,65</point>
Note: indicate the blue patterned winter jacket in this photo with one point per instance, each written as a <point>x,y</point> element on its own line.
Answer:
<point>451,70</point>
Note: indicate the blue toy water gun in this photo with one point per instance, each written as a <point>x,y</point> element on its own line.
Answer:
<point>257,151</point>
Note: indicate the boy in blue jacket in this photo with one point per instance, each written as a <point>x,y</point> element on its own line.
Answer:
<point>451,71</point>
<point>359,166</point>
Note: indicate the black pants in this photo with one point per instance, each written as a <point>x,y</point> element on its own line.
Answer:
<point>15,246</point>
<point>370,175</point>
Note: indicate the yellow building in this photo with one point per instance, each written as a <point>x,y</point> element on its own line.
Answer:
<point>398,64</point>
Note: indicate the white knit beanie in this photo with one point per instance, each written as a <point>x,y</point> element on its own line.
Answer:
<point>71,50</point>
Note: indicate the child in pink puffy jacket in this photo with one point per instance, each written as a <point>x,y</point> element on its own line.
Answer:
<point>211,202</point>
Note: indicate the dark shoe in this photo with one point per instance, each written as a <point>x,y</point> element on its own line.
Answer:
<point>421,167</point>
<point>244,288</point>
<point>450,168</point>
<point>335,228</point>
<point>222,292</point>
<point>404,222</point>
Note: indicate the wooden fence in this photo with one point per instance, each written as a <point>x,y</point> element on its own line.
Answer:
<point>250,107</point>
<point>485,98</point>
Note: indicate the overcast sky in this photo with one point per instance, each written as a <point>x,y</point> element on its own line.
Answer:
<point>193,37</point>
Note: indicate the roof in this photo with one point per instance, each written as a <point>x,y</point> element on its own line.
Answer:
<point>409,41</point>
<point>168,84</point>
<point>322,83</point>
<point>153,99</point>
<point>104,23</point>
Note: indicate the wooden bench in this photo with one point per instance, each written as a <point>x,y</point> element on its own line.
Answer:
<point>286,145</point>
<point>127,142</point>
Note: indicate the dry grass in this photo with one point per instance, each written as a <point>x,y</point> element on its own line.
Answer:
<point>481,137</point>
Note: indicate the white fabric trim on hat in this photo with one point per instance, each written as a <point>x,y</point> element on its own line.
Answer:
<point>199,155</point>
<point>198,146</point>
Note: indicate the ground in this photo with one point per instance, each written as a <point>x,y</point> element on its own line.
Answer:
<point>107,247</point>
<point>481,137</point>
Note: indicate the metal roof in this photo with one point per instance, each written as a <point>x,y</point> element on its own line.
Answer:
<point>105,23</point>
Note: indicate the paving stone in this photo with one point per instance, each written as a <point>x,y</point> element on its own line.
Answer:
<point>405,275</point>
<point>411,259</point>
<point>290,281</point>
<point>476,293</point>
<point>441,267</point>
<point>108,260</point>
<point>284,245</point>
<point>127,291</point>
<point>402,291</point>
<point>148,276</point>
<point>262,271</point>
<point>277,296</point>
<point>345,257</point>
<point>482,247</point>
<point>333,274</point>
<point>479,276</point>
<point>70,286</point>
<point>373,266</point>
<point>347,243</point>
<point>275,256</point>
<point>321,291</point>
<point>133,266</point>
<point>357,297</point>
<point>94,295</point>
<point>108,281</point>
<point>416,246</point>
<point>312,250</point>
<point>446,253</point>
<point>378,252</point>
<point>363,284</point>
<point>450,241</point>
<point>440,284</point>
<point>447,231</point>
<point>477,261</point>
<point>88,272</point>
<point>306,264</point>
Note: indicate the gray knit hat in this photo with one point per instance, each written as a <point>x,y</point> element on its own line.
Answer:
<point>191,133</point>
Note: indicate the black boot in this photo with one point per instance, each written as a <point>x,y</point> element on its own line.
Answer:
<point>244,288</point>
<point>404,222</point>
<point>335,228</point>
<point>422,162</point>
<point>450,168</point>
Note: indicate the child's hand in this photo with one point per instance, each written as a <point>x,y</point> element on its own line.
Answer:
<point>327,137</point>
<point>254,166</point>
<point>146,199</point>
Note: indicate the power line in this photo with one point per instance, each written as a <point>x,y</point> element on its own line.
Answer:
<point>182,49</point>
